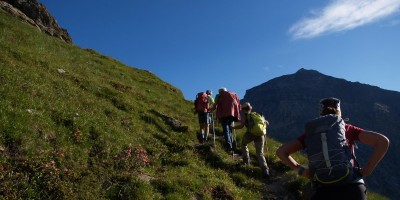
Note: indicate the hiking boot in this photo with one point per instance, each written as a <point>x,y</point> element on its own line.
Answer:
<point>265,173</point>
<point>200,137</point>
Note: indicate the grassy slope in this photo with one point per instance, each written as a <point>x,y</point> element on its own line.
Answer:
<point>95,131</point>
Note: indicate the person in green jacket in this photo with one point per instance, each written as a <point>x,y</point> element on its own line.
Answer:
<point>248,137</point>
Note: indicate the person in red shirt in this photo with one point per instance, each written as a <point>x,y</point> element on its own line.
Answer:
<point>355,190</point>
<point>228,108</point>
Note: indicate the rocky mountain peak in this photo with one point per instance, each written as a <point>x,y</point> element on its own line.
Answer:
<point>308,72</point>
<point>36,14</point>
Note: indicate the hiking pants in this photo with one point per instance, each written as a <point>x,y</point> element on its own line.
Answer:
<point>227,131</point>
<point>352,191</point>
<point>258,144</point>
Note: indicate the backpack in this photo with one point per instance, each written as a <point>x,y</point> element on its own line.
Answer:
<point>201,102</point>
<point>256,124</point>
<point>329,154</point>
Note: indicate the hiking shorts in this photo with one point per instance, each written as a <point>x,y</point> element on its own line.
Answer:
<point>204,117</point>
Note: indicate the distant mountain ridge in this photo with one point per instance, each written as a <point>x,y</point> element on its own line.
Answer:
<point>291,100</point>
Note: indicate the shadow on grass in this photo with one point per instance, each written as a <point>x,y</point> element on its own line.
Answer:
<point>216,160</point>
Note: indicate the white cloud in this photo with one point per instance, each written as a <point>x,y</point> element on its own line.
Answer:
<point>343,15</point>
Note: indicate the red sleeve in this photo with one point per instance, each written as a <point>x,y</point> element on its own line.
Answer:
<point>352,133</point>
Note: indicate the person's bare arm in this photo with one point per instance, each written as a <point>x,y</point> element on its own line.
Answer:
<point>380,145</point>
<point>284,153</point>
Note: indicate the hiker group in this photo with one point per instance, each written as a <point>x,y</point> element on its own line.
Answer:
<point>228,111</point>
<point>327,140</point>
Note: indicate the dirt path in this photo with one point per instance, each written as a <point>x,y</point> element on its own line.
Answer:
<point>275,189</point>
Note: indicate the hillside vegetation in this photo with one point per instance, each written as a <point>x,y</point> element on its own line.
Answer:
<point>75,124</point>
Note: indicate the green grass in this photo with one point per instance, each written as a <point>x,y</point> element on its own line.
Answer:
<point>96,131</point>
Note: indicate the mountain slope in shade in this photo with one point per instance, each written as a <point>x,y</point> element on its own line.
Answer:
<point>291,100</point>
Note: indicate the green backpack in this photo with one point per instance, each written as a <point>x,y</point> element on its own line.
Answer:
<point>256,124</point>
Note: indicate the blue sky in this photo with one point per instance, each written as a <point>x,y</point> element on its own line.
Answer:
<point>199,45</point>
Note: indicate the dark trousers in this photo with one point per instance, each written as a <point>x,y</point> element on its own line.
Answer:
<point>353,191</point>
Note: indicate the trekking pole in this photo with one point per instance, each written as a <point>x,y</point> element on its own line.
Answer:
<point>212,118</point>
<point>233,138</point>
